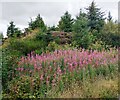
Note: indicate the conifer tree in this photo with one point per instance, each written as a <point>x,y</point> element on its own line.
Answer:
<point>109,17</point>
<point>12,31</point>
<point>38,23</point>
<point>80,23</point>
<point>95,17</point>
<point>65,24</point>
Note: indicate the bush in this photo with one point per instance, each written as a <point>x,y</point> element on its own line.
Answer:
<point>62,37</point>
<point>52,46</point>
<point>26,46</point>
<point>111,39</point>
<point>99,45</point>
<point>44,37</point>
<point>9,63</point>
<point>12,53</point>
<point>83,39</point>
<point>110,35</point>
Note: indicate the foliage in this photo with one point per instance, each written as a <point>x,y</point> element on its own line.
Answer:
<point>109,17</point>
<point>41,73</point>
<point>9,62</point>
<point>99,45</point>
<point>52,28</point>
<point>1,35</point>
<point>110,34</point>
<point>12,31</point>
<point>52,46</point>
<point>83,39</point>
<point>95,17</point>
<point>45,37</point>
<point>65,24</point>
<point>38,23</point>
<point>80,24</point>
<point>103,88</point>
<point>46,61</point>
<point>62,37</point>
<point>25,46</point>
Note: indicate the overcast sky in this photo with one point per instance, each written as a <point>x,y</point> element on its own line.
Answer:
<point>50,11</point>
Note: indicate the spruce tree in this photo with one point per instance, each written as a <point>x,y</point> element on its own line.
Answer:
<point>65,24</point>
<point>12,31</point>
<point>80,23</point>
<point>31,24</point>
<point>82,37</point>
<point>109,17</point>
<point>38,23</point>
<point>95,17</point>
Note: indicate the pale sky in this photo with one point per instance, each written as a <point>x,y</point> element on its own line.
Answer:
<point>50,10</point>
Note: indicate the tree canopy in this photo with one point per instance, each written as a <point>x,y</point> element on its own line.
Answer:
<point>12,31</point>
<point>65,23</point>
<point>95,17</point>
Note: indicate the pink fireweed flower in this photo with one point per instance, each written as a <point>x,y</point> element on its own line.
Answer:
<point>50,68</point>
<point>21,69</point>
<point>54,75</point>
<point>38,68</point>
<point>53,82</point>
<point>59,72</point>
<point>41,77</point>
<point>74,60</point>
<point>47,80</point>
<point>30,71</point>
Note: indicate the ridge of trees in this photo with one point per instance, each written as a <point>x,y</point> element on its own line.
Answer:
<point>85,26</point>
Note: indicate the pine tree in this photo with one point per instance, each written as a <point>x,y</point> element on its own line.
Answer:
<point>12,31</point>
<point>82,37</point>
<point>31,24</point>
<point>38,23</point>
<point>80,23</point>
<point>95,17</point>
<point>109,17</point>
<point>65,24</point>
<point>1,36</point>
<point>52,28</point>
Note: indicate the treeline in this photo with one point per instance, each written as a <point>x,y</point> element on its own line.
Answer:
<point>90,27</point>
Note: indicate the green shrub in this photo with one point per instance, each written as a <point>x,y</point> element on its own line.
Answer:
<point>9,63</point>
<point>62,37</point>
<point>26,46</point>
<point>44,37</point>
<point>111,39</point>
<point>83,39</point>
<point>98,45</point>
<point>52,46</point>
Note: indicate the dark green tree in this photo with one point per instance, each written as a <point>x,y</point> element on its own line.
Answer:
<point>95,17</point>
<point>52,28</point>
<point>1,38</point>
<point>82,37</point>
<point>31,24</point>
<point>65,24</point>
<point>1,35</point>
<point>109,17</point>
<point>80,24</point>
<point>38,23</point>
<point>12,31</point>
